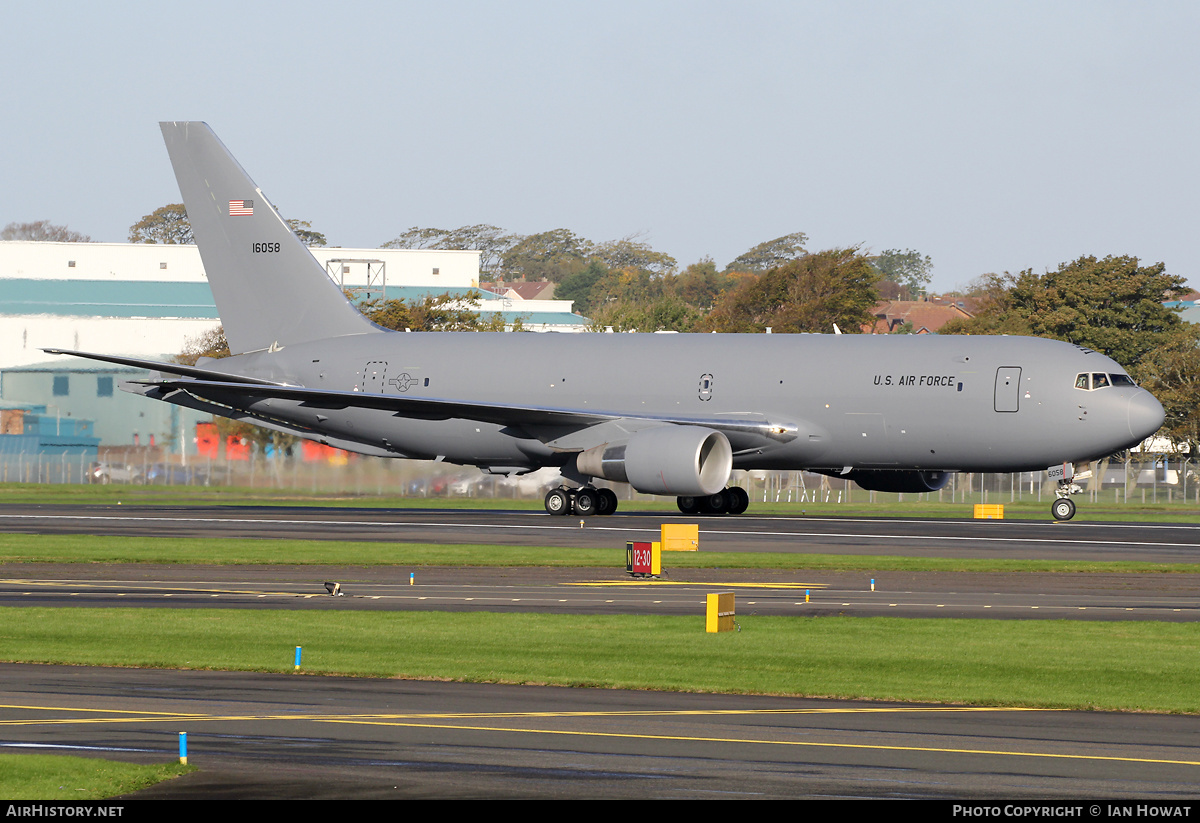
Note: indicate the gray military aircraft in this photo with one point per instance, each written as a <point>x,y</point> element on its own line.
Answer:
<point>668,414</point>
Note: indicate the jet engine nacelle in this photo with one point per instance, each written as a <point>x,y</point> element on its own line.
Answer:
<point>685,461</point>
<point>883,480</point>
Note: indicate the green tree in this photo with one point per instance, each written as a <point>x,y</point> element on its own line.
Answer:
<point>42,230</point>
<point>1112,305</point>
<point>700,284</point>
<point>168,224</point>
<point>905,268</point>
<point>490,241</point>
<point>580,287</point>
<point>1171,372</point>
<point>810,294</point>
<point>211,343</point>
<point>441,312</point>
<point>771,254</point>
<point>618,271</point>
<point>994,310</point>
<point>418,238</point>
<point>631,253</point>
<point>549,255</point>
<point>667,312</point>
<point>303,229</point>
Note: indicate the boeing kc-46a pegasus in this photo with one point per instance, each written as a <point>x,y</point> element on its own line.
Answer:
<point>668,414</point>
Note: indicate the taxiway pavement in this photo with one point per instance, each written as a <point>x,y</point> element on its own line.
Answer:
<point>297,737</point>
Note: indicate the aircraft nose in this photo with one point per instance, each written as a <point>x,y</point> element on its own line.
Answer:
<point>1146,415</point>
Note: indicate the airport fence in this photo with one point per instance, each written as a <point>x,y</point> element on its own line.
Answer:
<point>1149,480</point>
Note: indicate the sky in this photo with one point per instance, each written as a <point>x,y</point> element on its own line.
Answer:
<point>991,136</point>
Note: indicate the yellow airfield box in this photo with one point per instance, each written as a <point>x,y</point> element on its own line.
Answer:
<point>680,537</point>
<point>989,511</point>
<point>720,612</point>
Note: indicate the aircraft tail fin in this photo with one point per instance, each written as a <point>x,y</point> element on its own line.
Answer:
<point>269,289</point>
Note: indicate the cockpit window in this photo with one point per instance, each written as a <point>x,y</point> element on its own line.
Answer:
<point>1096,380</point>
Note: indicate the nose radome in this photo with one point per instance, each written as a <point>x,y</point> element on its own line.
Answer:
<point>1146,415</point>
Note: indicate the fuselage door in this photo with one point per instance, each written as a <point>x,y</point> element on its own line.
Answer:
<point>1008,387</point>
<point>374,377</point>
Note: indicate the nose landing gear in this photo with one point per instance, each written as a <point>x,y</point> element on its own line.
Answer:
<point>1063,508</point>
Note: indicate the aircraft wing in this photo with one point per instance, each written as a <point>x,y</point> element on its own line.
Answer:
<point>565,429</point>
<point>561,428</point>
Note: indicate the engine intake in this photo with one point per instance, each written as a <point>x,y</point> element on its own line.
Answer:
<point>685,461</point>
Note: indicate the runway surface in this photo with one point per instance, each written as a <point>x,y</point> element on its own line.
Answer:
<point>1075,540</point>
<point>297,737</point>
<point>682,591</point>
<point>263,736</point>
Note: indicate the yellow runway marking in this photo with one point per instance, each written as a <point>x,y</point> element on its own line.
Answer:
<point>708,585</point>
<point>138,715</point>
<point>414,721</point>
<point>154,588</point>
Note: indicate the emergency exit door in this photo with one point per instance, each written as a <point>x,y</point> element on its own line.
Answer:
<point>1008,387</point>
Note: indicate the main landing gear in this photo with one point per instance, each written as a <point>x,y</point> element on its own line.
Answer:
<point>584,502</point>
<point>588,501</point>
<point>733,500</point>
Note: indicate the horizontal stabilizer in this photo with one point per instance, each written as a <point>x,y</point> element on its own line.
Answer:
<point>189,402</point>
<point>167,368</point>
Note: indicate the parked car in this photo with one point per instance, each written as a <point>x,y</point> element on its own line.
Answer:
<point>105,473</point>
<point>466,486</point>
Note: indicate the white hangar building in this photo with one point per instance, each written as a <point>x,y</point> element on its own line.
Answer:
<point>149,300</point>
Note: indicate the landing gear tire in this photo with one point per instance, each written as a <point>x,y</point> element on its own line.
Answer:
<point>1063,508</point>
<point>739,499</point>
<point>733,500</point>
<point>586,502</point>
<point>606,501</point>
<point>717,503</point>
<point>558,502</point>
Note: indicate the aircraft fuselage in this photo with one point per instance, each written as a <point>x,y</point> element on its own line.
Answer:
<point>954,403</point>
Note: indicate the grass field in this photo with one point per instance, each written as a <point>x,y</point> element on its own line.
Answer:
<point>56,777</point>
<point>33,548</point>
